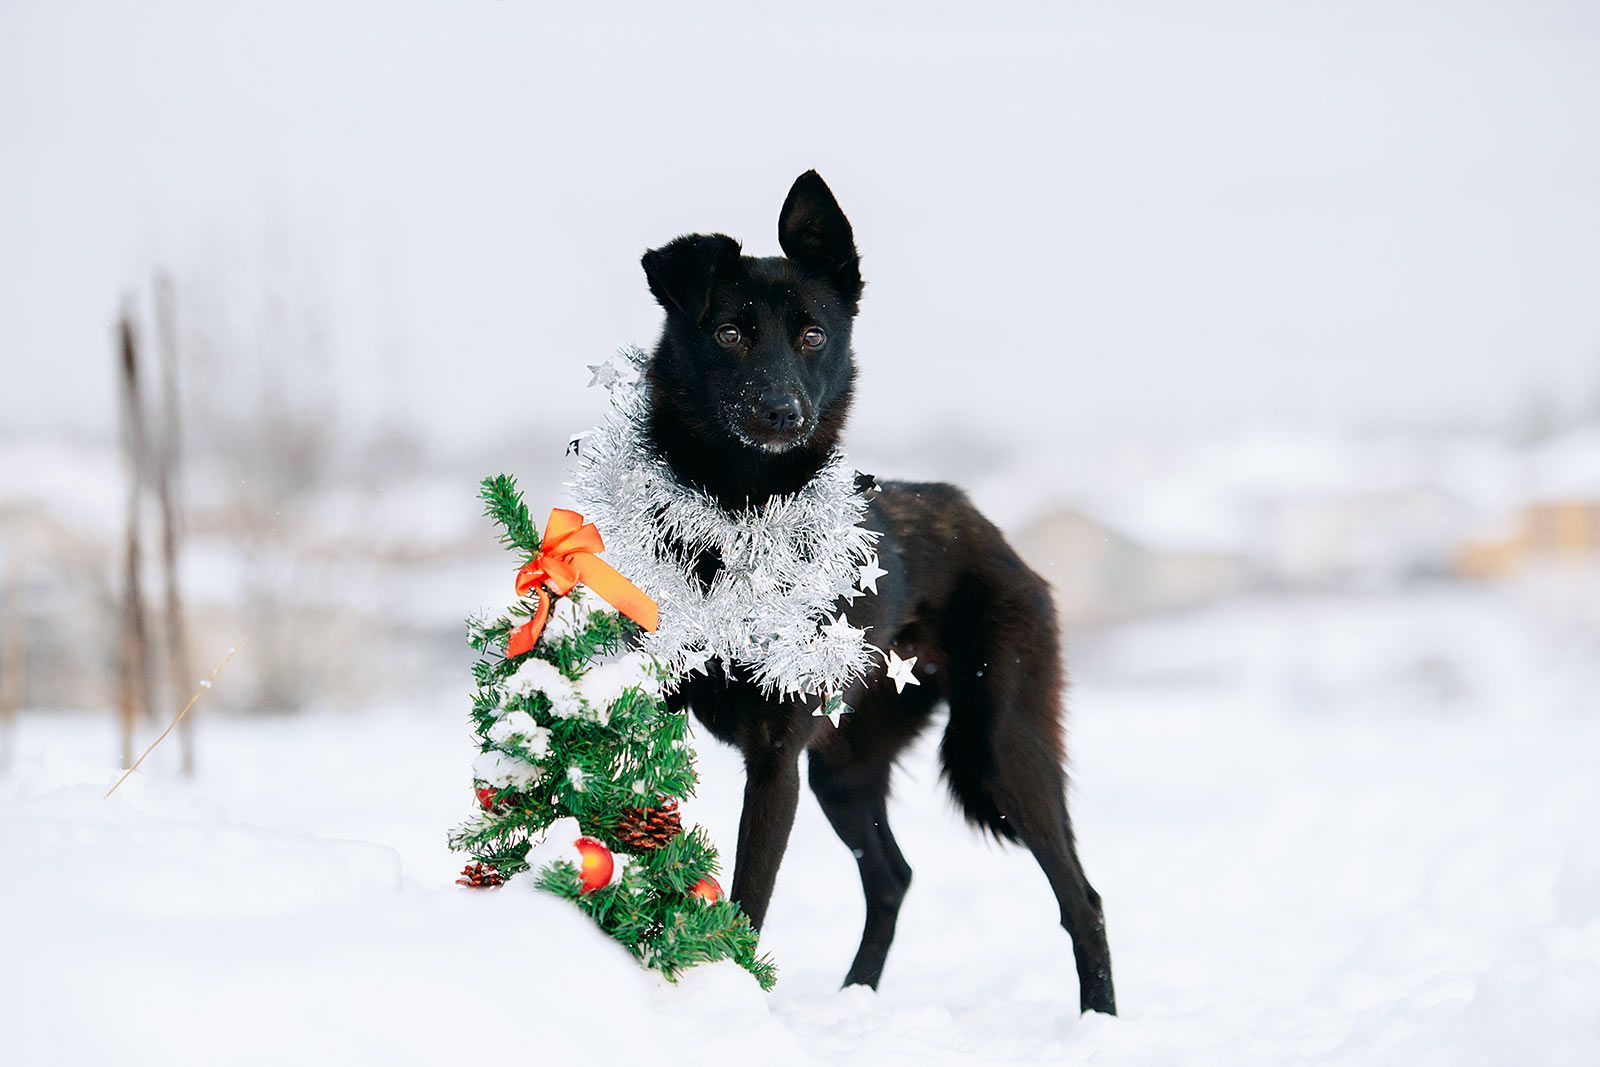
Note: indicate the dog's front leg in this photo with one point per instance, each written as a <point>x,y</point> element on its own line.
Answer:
<point>771,793</point>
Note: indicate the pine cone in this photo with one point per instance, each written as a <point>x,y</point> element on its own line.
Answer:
<point>644,829</point>
<point>480,876</point>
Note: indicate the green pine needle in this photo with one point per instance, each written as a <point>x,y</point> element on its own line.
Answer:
<point>502,502</point>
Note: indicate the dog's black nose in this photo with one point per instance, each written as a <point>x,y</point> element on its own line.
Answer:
<point>783,412</point>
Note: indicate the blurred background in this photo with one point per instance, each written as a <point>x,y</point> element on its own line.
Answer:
<point>1244,305</point>
<point>1269,332</point>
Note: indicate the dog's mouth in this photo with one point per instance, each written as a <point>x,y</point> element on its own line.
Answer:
<point>773,442</point>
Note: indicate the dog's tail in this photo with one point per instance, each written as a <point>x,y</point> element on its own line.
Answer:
<point>1003,749</point>
<point>968,763</point>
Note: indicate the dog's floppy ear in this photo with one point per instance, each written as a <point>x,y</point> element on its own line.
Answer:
<point>680,272</point>
<point>816,236</point>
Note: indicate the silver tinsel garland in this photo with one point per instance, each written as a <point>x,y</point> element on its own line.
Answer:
<point>770,610</point>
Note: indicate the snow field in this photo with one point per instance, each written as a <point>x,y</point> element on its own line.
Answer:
<point>1295,870</point>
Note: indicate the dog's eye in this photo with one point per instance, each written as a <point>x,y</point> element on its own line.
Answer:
<point>728,334</point>
<point>813,337</point>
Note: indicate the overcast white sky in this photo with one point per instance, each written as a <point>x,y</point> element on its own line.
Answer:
<point>1100,215</point>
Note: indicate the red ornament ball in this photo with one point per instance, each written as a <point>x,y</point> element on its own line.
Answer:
<point>486,797</point>
<point>595,865</point>
<point>707,889</point>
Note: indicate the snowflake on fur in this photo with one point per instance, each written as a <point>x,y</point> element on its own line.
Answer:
<point>786,564</point>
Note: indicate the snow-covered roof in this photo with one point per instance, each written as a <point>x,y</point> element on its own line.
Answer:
<point>1566,467</point>
<point>1203,494</point>
<point>1179,520</point>
<point>83,485</point>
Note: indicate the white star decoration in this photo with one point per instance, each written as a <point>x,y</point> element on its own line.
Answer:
<point>832,708</point>
<point>603,374</point>
<point>870,573</point>
<point>840,629</point>
<point>900,671</point>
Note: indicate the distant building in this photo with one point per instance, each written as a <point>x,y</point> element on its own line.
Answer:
<point>1361,537</point>
<point>1556,525</point>
<point>1103,574</point>
<point>1543,534</point>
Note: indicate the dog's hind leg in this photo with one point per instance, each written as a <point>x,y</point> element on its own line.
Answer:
<point>856,803</point>
<point>1049,837</point>
<point>1003,753</point>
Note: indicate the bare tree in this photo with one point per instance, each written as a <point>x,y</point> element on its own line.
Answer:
<point>134,697</point>
<point>179,671</point>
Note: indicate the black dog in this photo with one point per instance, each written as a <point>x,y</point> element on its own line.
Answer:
<point>749,386</point>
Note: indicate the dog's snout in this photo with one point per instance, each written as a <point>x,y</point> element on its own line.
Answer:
<point>783,412</point>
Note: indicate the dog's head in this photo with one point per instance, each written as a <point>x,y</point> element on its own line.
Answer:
<point>757,351</point>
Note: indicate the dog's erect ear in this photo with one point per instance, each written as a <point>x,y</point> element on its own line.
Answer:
<point>680,272</point>
<point>816,236</point>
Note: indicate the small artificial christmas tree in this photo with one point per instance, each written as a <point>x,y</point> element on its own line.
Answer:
<point>582,768</point>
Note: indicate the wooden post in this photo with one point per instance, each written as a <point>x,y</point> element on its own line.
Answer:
<point>180,675</point>
<point>134,697</point>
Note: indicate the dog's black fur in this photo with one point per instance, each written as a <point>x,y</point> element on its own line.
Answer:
<point>747,402</point>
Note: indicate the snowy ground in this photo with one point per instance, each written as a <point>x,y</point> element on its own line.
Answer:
<point>1333,831</point>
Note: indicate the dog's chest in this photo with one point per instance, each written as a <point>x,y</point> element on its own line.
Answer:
<point>736,712</point>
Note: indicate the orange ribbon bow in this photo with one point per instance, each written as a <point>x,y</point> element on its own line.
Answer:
<point>567,556</point>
